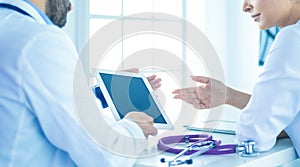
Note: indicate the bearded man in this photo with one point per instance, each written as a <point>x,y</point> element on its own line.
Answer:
<point>38,123</point>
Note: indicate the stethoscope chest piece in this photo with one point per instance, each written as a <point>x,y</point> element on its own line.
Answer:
<point>247,149</point>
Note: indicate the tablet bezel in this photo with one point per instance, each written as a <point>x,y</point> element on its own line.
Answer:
<point>112,106</point>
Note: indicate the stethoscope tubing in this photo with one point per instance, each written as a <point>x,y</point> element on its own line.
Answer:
<point>163,144</point>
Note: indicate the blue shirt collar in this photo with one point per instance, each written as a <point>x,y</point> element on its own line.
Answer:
<point>42,14</point>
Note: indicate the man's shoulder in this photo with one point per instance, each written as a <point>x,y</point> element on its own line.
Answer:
<point>41,34</point>
<point>37,30</point>
<point>18,29</point>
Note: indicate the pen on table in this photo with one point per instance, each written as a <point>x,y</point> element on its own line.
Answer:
<point>229,132</point>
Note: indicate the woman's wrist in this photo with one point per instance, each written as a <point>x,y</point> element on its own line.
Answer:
<point>236,98</point>
<point>228,96</point>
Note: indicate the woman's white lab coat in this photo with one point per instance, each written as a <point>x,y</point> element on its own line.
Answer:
<point>275,102</point>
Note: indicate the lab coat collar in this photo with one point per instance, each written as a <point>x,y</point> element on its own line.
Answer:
<point>31,9</point>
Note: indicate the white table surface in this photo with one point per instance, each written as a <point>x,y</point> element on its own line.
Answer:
<point>281,153</point>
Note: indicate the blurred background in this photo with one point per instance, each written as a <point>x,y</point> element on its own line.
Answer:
<point>240,45</point>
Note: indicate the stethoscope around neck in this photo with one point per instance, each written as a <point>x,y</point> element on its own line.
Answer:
<point>200,144</point>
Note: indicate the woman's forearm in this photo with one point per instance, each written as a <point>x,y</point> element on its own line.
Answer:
<point>236,98</point>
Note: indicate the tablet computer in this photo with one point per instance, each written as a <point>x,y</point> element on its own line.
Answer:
<point>126,92</point>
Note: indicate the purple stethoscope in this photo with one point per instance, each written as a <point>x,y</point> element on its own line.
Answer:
<point>199,144</point>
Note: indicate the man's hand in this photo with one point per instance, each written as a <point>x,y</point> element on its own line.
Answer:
<point>153,80</point>
<point>144,121</point>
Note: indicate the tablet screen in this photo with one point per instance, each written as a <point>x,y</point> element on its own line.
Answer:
<point>130,93</point>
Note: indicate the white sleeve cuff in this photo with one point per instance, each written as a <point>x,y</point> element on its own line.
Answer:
<point>129,128</point>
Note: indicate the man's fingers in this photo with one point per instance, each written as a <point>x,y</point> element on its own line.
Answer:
<point>144,121</point>
<point>153,131</point>
<point>154,82</point>
<point>156,86</point>
<point>150,131</point>
<point>150,78</point>
<point>134,70</point>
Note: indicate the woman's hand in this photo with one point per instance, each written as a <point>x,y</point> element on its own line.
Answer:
<point>212,93</point>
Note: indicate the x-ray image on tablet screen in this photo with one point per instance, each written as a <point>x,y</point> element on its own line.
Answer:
<point>128,92</point>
